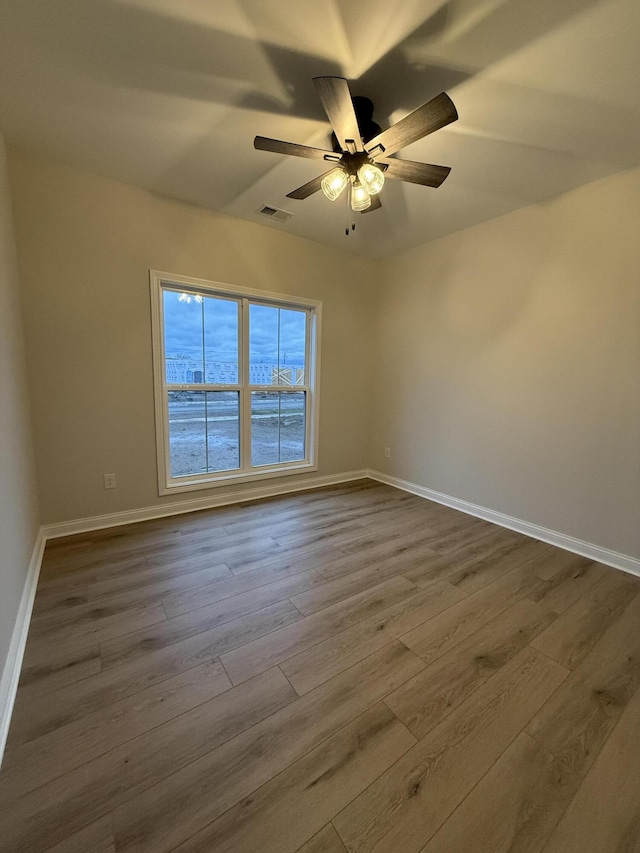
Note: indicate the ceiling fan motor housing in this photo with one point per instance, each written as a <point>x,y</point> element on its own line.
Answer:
<point>363,108</point>
<point>351,163</point>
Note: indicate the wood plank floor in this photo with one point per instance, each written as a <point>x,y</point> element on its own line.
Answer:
<point>347,669</point>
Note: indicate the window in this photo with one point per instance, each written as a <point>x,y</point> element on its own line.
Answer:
<point>236,378</point>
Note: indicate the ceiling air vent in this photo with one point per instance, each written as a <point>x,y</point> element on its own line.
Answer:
<point>274,213</point>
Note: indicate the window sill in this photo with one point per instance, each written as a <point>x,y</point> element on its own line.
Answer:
<point>232,479</point>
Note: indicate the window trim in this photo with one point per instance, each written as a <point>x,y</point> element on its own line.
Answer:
<point>168,485</point>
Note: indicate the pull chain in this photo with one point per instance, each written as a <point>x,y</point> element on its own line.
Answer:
<point>348,195</point>
<point>350,217</point>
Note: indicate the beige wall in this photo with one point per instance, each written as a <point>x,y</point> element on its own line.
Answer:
<point>85,247</point>
<point>18,503</point>
<point>507,357</point>
<point>509,365</point>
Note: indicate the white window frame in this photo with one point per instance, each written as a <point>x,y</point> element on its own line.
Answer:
<point>244,296</point>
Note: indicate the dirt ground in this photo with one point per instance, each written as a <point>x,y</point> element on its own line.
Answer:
<point>189,442</point>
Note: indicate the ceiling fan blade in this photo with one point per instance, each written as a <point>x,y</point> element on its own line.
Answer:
<point>425,174</point>
<point>263,143</point>
<point>309,188</point>
<point>376,204</point>
<point>436,113</point>
<point>336,100</point>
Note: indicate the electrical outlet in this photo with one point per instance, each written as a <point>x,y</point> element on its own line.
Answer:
<point>387,453</point>
<point>109,481</point>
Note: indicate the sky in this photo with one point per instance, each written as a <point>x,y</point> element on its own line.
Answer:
<point>272,331</point>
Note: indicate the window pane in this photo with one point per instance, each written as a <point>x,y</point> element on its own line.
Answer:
<point>265,427</point>
<point>223,430</point>
<point>204,431</point>
<point>187,433</point>
<point>263,344</point>
<point>183,337</point>
<point>292,426</point>
<point>293,330</point>
<point>277,340</point>
<point>277,427</point>
<point>221,340</point>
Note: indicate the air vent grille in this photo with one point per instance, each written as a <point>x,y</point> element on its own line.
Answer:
<point>274,213</point>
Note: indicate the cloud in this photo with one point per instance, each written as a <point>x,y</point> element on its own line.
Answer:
<point>276,335</point>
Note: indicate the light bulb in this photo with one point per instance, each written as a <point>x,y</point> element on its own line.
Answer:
<point>360,198</point>
<point>371,178</point>
<point>333,183</point>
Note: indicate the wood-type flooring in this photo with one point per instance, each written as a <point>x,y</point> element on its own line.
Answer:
<point>346,669</point>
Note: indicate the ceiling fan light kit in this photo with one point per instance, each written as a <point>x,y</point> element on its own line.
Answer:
<point>363,154</point>
<point>371,177</point>
<point>360,198</point>
<point>334,183</point>
<point>367,181</point>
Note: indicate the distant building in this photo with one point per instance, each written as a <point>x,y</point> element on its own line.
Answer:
<point>183,370</point>
<point>176,371</point>
<point>260,374</point>
<point>287,376</point>
<point>222,373</point>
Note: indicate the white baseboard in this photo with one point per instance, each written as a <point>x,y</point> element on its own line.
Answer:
<point>115,519</point>
<point>13,663</point>
<point>553,537</point>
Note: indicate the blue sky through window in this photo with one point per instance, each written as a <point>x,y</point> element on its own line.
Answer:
<point>201,339</point>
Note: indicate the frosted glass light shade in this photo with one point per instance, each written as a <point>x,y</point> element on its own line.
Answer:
<point>371,178</point>
<point>334,183</point>
<point>360,198</point>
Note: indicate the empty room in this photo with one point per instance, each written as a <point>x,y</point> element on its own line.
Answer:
<point>319,426</point>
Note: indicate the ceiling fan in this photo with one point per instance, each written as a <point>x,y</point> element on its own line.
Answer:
<point>362,155</point>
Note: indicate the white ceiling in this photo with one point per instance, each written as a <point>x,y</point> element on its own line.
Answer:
<point>168,95</point>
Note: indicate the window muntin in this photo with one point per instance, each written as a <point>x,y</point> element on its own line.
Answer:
<point>236,383</point>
